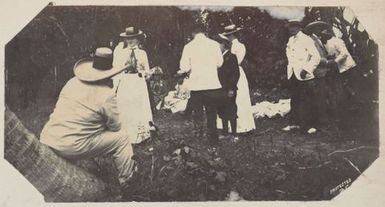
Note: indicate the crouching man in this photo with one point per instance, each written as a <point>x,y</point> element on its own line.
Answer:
<point>85,121</point>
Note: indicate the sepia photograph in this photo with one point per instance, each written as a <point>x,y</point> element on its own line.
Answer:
<point>191,103</point>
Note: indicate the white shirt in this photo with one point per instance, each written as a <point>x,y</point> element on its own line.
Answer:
<point>337,47</point>
<point>238,49</point>
<point>302,54</point>
<point>122,55</point>
<point>202,57</point>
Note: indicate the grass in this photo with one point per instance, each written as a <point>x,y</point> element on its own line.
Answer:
<point>266,164</point>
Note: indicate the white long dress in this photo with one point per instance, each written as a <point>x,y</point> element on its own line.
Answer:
<point>132,94</point>
<point>245,121</point>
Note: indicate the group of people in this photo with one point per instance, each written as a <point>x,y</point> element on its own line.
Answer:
<point>318,70</point>
<point>106,107</point>
<point>217,84</point>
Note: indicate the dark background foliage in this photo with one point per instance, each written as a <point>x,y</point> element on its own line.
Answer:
<point>40,58</point>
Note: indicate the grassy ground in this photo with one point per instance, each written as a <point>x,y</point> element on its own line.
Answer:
<point>266,164</point>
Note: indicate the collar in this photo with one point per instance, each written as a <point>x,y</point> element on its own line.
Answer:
<point>200,36</point>
<point>133,48</point>
<point>300,33</point>
<point>235,40</point>
<point>315,36</point>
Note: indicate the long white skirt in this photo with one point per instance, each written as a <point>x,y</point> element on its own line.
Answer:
<point>245,121</point>
<point>134,106</point>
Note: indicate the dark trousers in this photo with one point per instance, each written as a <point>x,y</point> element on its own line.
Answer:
<point>305,105</point>
<point>339,96</point>
<point>227,111</point>
<point>294,87</point>
<point>210,101</point>
<point>312,107</point>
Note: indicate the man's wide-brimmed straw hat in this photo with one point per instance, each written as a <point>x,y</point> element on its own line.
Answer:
<point>97,68</point>
<point>131,32</point>
<point>316,25</point>
<point>230,29</point>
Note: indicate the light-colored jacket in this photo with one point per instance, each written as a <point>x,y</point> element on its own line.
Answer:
<point>82,110</point>
<point>202,57</point>
<point>301,55</point>
<point>336,47</point>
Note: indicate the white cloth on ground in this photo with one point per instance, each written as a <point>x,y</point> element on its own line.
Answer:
<point>268,109</point>
<point>177,100</point>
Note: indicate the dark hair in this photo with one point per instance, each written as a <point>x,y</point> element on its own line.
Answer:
<point>198,28</point>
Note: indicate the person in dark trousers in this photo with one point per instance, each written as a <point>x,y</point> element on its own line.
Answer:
<point>201,58</point>
<point>228,76</point>
<point>303,59</point>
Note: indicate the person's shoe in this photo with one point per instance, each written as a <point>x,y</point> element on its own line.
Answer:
<point>290,127</point>
<point>235,139</point>
<point>311,130</point>
<point>223,136</point>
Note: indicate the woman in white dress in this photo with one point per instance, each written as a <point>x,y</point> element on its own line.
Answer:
<point>245,121</point>
<point>132,93</point>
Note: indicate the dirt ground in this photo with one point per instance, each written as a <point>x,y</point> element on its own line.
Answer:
<point>266,164</point>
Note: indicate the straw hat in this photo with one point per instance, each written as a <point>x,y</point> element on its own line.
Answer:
<point>97,68</point>
<point>131,32</point>
<point>316,25</point>
<point>230,29</point>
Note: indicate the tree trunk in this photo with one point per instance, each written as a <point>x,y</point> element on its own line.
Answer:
<point>54,177</point>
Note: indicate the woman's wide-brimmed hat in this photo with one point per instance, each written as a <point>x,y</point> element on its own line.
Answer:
<point>230,29</point>
<point>98,67</point>
<point>316,26</point>
<point>131,32</point>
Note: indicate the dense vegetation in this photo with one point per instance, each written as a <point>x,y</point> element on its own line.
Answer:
<point>39,59</point>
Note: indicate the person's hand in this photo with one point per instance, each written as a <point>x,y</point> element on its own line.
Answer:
<point>303,74</point>
<point>147,76</point>
<point>180,72</point>
<point>231,93</point>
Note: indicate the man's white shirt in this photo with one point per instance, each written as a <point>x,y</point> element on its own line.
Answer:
<point>302,54</point>
<point>336,46</point>
<point>202,57</point>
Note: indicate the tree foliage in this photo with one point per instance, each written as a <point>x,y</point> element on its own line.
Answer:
<point>40,58</point>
